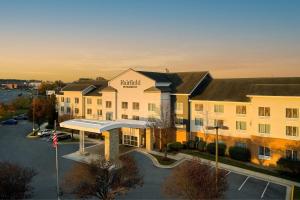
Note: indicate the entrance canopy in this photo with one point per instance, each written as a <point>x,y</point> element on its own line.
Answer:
<point>98,126</point>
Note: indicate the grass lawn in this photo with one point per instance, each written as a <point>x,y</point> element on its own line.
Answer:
<point>240,164</point>
<point>297,193</point>
<point>164,161</point>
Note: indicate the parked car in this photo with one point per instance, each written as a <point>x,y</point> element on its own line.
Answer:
<point>21,117</point>
<point>9,122</point>
<point>60,136</point>
<point>45,132</point>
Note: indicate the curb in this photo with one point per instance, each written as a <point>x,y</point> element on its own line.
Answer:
<point>30,136</point>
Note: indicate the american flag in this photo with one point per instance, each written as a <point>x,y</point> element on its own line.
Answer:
<point>54,139</point>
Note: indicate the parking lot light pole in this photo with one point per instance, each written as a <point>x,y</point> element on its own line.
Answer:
<point>217,127</point>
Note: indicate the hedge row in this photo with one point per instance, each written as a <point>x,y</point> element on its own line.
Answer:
<point>290,166</point>
<point>240,153</point>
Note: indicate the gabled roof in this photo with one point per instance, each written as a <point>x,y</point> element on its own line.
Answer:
<point>76,87</point>
<point>109,89</point>
<point>158,89</point>
<point>181,82</point>
<point>238,89</point>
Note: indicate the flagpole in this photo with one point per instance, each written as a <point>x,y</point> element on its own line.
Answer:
<point>56,158</point>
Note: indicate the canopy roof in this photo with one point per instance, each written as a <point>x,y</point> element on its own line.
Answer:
<point>98,126</point>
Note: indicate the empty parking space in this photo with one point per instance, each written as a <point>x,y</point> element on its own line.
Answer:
<point>247,187</point>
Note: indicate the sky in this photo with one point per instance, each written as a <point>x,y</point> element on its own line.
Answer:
<point>68,39</point>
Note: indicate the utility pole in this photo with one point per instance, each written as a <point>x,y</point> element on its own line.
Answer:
<point>217,127</point>
<point>33,110</point>
<point>56,162</point>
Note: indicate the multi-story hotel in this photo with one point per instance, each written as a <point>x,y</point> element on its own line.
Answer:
<point>262,114</point>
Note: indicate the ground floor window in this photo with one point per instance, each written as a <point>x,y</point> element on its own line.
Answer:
<point>130,140</point>
<point>179,122</point>
<point>241,144</point>
<point>198,121</point>
<point>264,152</point>
<point>291,154</point>
<point>124,116</point>
<point>109,116</point>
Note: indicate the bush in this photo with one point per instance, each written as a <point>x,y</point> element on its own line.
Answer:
<point>175,146</point>
<point>191,144</point>
<point>290,166</point>
<point>211,148</point>
<point>240,153</point>
<point>201,145</point>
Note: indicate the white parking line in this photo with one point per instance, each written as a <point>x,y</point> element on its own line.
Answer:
<point>228,173</point>
<point>243,183</point>
<point>262,195</point>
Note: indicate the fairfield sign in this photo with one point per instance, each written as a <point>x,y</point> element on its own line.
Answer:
<point>130,83</point>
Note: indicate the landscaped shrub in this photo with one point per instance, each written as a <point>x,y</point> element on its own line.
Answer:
<point>240,153</point>
<point>175,146</point>
<point>290,166</point>
<point>201,145</point>
<point>191,144</point>
<point>211,148</point>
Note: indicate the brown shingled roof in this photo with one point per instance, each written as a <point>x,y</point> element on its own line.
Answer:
<point>238,89</point>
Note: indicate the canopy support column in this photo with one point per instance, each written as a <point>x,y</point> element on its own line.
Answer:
<point>111,144</point>
<point>149,139</point>
<point>81,142</point>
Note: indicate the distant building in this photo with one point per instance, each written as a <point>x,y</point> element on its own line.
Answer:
<point>35,84</point>
<point>11,85</point>
<point>50,92</point>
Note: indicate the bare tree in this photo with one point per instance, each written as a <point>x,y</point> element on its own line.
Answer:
<point>194,180</point>
<point>15,181</point>
<point>103,179</point>
<point>164,125</point>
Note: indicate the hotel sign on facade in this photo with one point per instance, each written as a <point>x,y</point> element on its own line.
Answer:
<point>130,83</point>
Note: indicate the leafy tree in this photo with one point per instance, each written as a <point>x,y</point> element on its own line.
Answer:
<point>194,180</point>
<point>21,103</point>
<point>38,110</point>
<point>102,179</point>
<point>51,110</point>
<point>15,181</point>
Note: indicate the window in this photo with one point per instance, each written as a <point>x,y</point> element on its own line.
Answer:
<point>89,101</point>
<point>62,109</point>
<point>264,128</point>
<point>130,140</point>
<point>179,108</point>
<point>109,116</point>
<point>68,110</point>
<point>108,104</point>
<point>198,121</point>
<point>198,107</point>
<point>241,144</point>
<point>99,112</point>
<point>241,125</point>
<point>179,122</point>
<point>219,108</point>
<point>62,99</point>
<point>76,100</point>
<point>292,113</point>
<point>134,117</point>
<point>291,131</point>
<point>76,110</point>
<point>241,110</point>
<point>151,107</point>
<point>264,111</point>
<point>218,122</point>
<point>264,152</point>
<point>68,99</point>
<point>291,155</point>
<point>99,102</point>
<point>89,111</point>
<point>125,105</point>
<point>135,106</point>
<point>124,116</point>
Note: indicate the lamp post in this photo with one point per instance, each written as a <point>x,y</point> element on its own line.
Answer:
<point>217,127</point>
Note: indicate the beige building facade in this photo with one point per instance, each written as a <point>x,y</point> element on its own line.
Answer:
<point>262,114</point>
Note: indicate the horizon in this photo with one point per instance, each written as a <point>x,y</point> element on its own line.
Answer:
<point>66,40</point>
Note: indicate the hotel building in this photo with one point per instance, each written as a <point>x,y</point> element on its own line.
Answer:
<point>262,113</point>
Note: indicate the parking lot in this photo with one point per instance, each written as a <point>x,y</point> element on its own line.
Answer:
<point>39,154</point>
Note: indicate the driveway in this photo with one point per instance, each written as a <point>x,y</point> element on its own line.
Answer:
<point>35,153</point>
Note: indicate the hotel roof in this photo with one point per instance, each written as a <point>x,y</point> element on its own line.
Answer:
<point>181,82</point>
<point>76,86</point>
<point>238,89</point>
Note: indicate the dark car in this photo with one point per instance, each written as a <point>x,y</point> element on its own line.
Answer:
<point>10,122</point>
<point>21,117</point>
<point>60,136</point>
